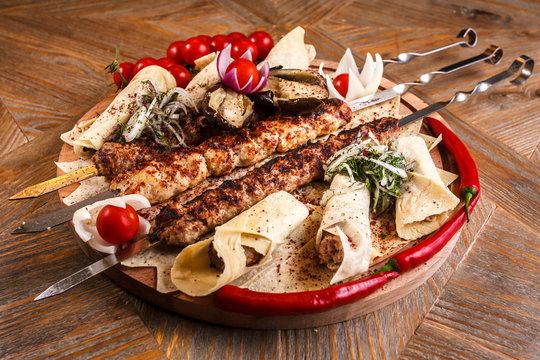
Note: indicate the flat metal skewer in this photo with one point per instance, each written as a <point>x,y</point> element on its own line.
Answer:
<point>523,66</point>
<point>471,41</point>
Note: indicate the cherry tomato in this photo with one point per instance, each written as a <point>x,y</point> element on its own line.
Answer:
<point>205,38</point>
<point>264,42</point>
<point>142,63</point>
<point>341,83</point>
<point>193,49</point>
<point>219,42</point>
<point>181,75</point>
<point>240,46</point>
<point>174,51</point>
<point>126,69</point>
<point>116,224</point>
<point>166,62</point>
<point>236,35</point>
<point>245,70</point>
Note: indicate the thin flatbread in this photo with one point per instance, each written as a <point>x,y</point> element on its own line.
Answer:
<point>346,216</point>
<point>263,227</point>
<point>119,110</point>
<point>426,201</point>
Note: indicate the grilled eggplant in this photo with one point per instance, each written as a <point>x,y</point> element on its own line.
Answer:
<point>227,109</point>
<point>291,91</point>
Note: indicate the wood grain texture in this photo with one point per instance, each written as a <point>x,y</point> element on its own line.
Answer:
<point>492,321</point>
<point>52,56</point>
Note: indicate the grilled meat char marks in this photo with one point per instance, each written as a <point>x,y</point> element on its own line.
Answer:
<point>160,180</point>
<point>114,158</point>
<point>223,154</point>
<point>181,224</point>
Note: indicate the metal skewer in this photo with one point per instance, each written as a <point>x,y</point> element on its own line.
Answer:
<point>471,41</point>
<point>523,65</point>
<point>491,55</point>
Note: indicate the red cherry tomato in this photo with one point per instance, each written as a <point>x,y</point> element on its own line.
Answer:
<point>142,63</point>
<point>181,75</point>
<point>341,83</point>
<point>193,49</point>
<point>205,38</point>
<point>264,42</point>
<point>240,46</point>
<point>236,35</point>
<point>174,51</point>
<point>245,70</point>
<point>166,62</point>
<point>126,69</point>
<point>116,224</point>
<point>219,42</point>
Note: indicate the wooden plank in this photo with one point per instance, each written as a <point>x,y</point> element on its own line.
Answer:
<point>95,319</point>
<point>11,135</point>
<point>480,319</point>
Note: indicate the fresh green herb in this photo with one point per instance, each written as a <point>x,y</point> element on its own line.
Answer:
<point>202,85</point>
<point>381,168</point>
<point>118,134</point>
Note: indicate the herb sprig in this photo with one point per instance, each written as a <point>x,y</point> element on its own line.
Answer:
<point>380,167</point>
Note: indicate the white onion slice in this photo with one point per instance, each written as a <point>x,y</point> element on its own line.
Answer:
<point>84,220</point>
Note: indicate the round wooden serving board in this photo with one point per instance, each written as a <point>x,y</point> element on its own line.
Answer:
<point>142,281</point>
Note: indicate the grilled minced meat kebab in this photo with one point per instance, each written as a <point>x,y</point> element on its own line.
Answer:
<point>181,224</point>
<point>114,158</point>
<point>161,179</point>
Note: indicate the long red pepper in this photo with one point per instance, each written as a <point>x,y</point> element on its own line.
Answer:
<point>469,189</point>
<point>234,299</point>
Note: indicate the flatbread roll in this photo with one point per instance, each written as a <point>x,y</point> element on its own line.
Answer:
<point>346,216</point>
<point>204,80</point>
<point>263,227</point>
<point>290,52</point>
<point>426,201</point>
<point>119,111</point>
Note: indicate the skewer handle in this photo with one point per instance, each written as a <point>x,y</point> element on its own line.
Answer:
<point>471,41</point>
<point>523,66</point>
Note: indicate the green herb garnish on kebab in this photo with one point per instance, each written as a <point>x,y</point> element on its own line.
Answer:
<point>380,167</point>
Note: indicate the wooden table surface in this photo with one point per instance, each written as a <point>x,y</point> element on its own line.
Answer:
<point>483,303</point>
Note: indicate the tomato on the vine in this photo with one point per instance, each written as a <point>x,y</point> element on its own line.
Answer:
<point>166,62</point>
<point>193,49</point>
<point>181,75</point>
<point>126,69</point>
<point>263,41</point>
<point>205,38</point>
<point>142,63</point>
<point>219,42</point>
<point>341,83</point>
<point>240,46</point>
<point>236,35</point>
<point>174,51</point>
<point>245,70</point>
<point>116,224</point>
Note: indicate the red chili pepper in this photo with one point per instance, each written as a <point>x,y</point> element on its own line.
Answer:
<point>470,185</point>
<point>234,299</point>
<point>470,191</point>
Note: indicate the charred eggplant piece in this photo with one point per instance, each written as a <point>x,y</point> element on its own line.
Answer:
<point>291,91</point>
<point>302,76</point>
<point>227,108</point>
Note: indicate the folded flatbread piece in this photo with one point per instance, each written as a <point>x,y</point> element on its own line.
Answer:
<point>346,219</point>
<point>426,201</point>
<point>94,132</point>
<point>263,227</point>
<point>291,52</point>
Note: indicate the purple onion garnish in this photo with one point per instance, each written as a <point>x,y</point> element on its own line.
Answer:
<point>230,79</point>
